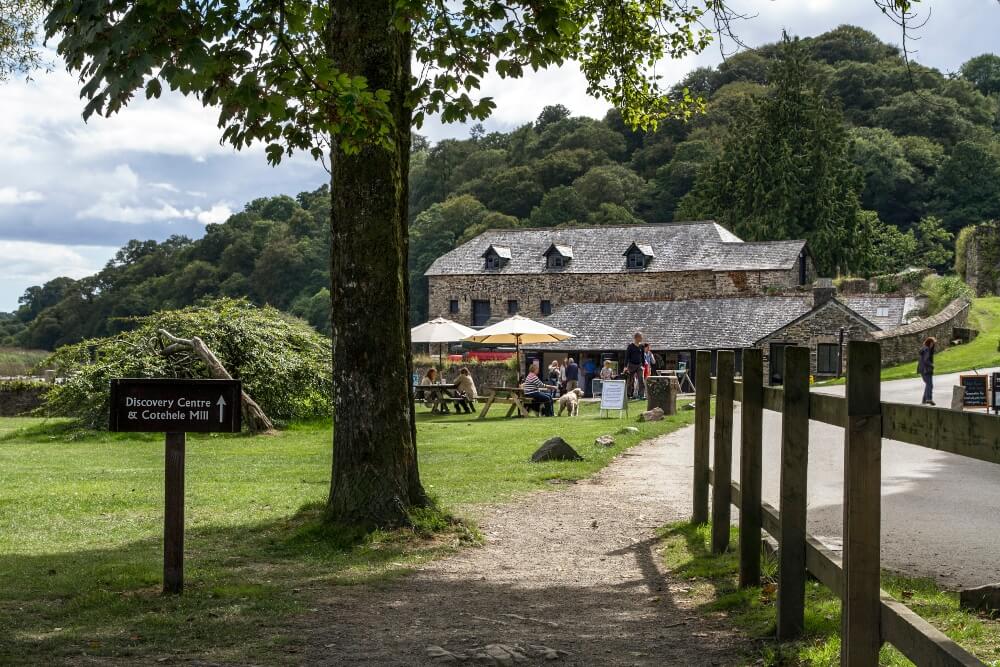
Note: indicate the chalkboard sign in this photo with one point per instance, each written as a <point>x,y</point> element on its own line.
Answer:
<point>995,392</point>
<point>975,390</point>
<point>613,395</point>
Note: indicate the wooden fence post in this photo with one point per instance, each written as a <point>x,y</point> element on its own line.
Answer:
<point>794,469</point>
<point>751,415</point>
<point>723,459</point>
<point>702,417</point>
<point>861,635</point>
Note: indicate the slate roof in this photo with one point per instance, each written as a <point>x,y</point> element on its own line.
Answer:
<point>675,325</point>
<point>685,246</point>
<point>867,305</point>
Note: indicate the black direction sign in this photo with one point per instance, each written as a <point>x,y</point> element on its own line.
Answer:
<point>175,406</point>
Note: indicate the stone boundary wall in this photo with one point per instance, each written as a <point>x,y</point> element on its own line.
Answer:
<point>484,375</point>
<point>19,398</point>
<point>903,343</point>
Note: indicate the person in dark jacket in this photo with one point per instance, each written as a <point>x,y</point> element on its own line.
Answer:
<point>635,358</point>
<point>925,366</point>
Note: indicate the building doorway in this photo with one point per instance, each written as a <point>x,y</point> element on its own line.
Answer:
<point>776,362</point>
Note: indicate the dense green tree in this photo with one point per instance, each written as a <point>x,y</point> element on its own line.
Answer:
<point>888,176</point>
<point>561,205</point>
<point>850,43</point>
<point>983,72</point>
<point>968,185</point>
<point>552,114</point>
<point>612,184</point>
<point>784,171</point>
<point>934,244</point>
<point>611,214</point>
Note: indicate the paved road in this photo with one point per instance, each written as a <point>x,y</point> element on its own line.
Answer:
<point>940,512</point>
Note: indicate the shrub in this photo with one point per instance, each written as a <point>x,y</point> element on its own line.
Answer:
<point>940,291</point>
<point>285,365</point>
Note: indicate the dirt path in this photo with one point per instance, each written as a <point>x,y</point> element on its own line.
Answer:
<point>575,570</point>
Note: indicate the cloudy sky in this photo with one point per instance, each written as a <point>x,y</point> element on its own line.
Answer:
<point>72,192</point>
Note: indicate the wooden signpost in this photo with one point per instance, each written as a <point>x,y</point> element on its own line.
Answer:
<point>175,407</point>
<point>976,390</point>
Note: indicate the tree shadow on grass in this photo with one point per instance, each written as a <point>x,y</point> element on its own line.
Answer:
<point>243,584</point>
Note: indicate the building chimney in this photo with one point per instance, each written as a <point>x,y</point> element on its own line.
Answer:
<point>823,291</point>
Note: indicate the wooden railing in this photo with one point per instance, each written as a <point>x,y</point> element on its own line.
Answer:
<point>869,616</point>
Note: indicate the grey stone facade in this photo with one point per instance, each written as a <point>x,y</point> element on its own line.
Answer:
<point>563,288</point>
<point>820,326</point>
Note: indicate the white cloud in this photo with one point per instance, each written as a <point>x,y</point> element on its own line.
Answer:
<point>34,263</point>
<point>10,195</point>
<point>218,213</point>
<point>124,197</point>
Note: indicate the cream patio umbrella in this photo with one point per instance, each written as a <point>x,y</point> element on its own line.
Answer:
<point>440,331</point>
<point>518,330</point>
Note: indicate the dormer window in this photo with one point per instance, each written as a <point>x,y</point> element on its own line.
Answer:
<point>496,257</point>
<point>558,256</point>
<point>638,255</point>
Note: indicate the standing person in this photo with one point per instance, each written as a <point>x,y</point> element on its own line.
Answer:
<point>536,390</point>
<point>634,359</point>
<point>926,369</point>
<point>572,372</point>
<point>649,364</point>
<point>465,387</point>
<point>608,372</point>
<point>555,375</point>
<point>589,373</point>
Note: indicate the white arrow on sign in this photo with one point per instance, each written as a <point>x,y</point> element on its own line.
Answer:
<point>222,405</point>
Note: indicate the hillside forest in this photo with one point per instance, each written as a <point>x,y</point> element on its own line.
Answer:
<point>837,139</point>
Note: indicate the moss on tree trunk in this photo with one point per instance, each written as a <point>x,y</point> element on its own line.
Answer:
<point>375,477</point>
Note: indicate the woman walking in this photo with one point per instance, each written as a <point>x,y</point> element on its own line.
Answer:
<point>926,369</point>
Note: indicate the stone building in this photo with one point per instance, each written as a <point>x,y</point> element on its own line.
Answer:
<point>535,272</point>
<point>676,329</point>
<point>686,286</point>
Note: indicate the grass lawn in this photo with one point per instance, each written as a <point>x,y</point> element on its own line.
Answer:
<point>979,353</point>
<point>714,584</point>
<point>81,525</point>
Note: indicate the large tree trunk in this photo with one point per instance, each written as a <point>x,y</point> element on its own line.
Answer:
<point>375,478</point>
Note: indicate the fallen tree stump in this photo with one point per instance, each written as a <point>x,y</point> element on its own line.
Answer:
<point>253,416</point>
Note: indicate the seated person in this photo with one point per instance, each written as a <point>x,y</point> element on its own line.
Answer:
<point>430,378</point>
<point>465,389</point>
<point>537,391</point>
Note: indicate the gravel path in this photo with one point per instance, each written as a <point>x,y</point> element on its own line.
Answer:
<point>573,572</point>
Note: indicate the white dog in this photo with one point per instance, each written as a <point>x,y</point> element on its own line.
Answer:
<point>570,401</point>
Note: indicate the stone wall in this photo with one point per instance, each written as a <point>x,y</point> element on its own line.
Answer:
<point>484,375</point>
<point>821,325</point>
<point>18,398</point>
<point>561,288</point>
<point>903,343</point>
<point>981,254</point>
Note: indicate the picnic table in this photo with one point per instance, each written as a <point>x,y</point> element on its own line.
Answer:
<point>512,396</point>
<point>438,394</point>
